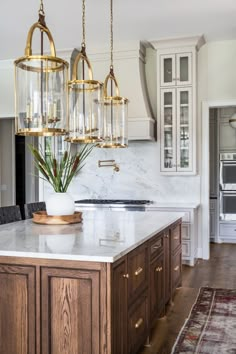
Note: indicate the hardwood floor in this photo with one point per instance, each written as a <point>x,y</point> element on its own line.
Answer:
<point>218,272</point>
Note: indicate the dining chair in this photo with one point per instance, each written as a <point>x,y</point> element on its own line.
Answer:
<point>31,208</point>
<point>10,214</point>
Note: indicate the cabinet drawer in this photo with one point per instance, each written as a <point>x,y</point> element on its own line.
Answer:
<point>176,270</point>
<point>137,271</point>
<point>156,245</point>
<point>175,237</point>
<point>185,231</point>
<point>228,229</point>
<point>138,324</point>
<point>186,248</point>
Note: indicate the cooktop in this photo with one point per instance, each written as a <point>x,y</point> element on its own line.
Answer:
<point>114,201</point>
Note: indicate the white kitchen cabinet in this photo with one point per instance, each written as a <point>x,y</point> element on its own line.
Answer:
<point>176,130</point>
<point>176,69</point>
<point>189,229</point>
<point>176,104</point>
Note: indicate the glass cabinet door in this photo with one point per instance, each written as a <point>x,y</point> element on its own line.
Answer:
<point>168,130</point>
<point>168,70</point>
<point>184,130</point>
<point>183,68</point>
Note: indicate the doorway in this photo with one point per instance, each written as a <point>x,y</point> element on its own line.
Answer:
<point>205,170</point>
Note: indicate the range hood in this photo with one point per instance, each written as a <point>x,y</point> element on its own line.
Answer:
<point>130,71</point>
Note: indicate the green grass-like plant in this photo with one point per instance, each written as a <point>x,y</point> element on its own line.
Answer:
<point>59,172</point>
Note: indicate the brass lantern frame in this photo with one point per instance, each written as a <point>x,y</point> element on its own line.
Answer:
<point>57,65</point>
<point>113,102</point>
<point>87,129</point>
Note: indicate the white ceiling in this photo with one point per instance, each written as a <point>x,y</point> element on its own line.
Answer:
<point>133,20</point>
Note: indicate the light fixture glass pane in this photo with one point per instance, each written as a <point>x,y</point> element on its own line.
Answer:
<point>86,111</point>
<point>41,96</point>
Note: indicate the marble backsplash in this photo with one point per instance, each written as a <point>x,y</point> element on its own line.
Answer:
<point>138,177</point>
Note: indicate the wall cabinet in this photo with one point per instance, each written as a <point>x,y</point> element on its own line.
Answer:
<point>176,130</point>
<point>60,306</point>
<point>176,101</point>
<point>176,69</point>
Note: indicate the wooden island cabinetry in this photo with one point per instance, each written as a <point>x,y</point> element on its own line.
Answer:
<point>51,306</point>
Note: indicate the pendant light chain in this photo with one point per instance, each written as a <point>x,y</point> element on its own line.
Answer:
<point>83,24</point>
<point>111,24</point>
<point>41,8</point>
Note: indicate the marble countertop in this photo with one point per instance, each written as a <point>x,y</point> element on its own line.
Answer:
<point>103,236</point>
<point>174,205</point>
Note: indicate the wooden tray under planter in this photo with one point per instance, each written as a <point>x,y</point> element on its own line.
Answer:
<point>41,217</point>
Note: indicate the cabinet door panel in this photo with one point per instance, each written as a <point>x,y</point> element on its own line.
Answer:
<point>176,270</point>
<point>138,324</point>
<point>184,129</point>
<point>70,311</point>
<point>17,310</point>
<point>137,269</point>
<point>119,308</point>
<point>168,70</point>
<point>184,69</point>
<point>168,130</point>
<point>157,292</point>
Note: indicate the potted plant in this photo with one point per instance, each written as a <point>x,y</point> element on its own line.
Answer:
<point>59,174</point>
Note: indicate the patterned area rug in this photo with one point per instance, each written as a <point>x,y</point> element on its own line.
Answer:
<point>211,325</point>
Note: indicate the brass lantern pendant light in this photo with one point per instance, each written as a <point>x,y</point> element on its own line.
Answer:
<point>41,94</point>
<point>85,97</point>
<point>115,130</point>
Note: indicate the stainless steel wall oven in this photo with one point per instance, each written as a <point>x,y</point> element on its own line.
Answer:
<point>228,186</point>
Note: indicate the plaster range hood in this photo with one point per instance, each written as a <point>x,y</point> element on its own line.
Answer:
<point>130,71</point>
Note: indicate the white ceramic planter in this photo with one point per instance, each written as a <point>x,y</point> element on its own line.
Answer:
<point>60,204</point>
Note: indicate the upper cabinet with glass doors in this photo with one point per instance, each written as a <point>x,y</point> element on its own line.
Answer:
<point>176,99</point>
<point>176,69</point>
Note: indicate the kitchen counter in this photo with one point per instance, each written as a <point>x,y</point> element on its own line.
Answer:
<point>103,236</point>
<point>95,287</point>
<point>173,205</point>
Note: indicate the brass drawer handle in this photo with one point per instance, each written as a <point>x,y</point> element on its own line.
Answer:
<point>158,269</point>
<point>166,236</point>
<point>126,275</point>
<point>176,237</point>
<point>138,271</point>
<point>176,268</point>
<point>138,323</point>
<point>156,247</point>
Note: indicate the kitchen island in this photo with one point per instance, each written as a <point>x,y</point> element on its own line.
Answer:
<point>94,287</point>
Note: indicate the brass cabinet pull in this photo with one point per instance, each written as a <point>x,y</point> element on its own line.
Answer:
<point>138,323</point>
<point>176,268</point>
<point>138,271</point>
<point>156,247</point>
<point>166,235</point>
<point>126,275</point>
<point>158,269</point>
<point>176,237</point>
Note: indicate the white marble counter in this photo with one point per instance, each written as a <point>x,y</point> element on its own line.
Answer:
<point>176,205</point>
<point>103,236</point>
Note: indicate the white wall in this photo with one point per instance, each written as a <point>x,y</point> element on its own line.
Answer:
<point>7,162</point>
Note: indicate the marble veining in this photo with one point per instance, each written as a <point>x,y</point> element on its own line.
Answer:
<point>138,178</point>
<point>103,236</point>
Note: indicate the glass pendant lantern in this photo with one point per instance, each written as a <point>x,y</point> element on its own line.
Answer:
<point>85,97</point>
<point>115,125</point>
<point>41,98</point>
